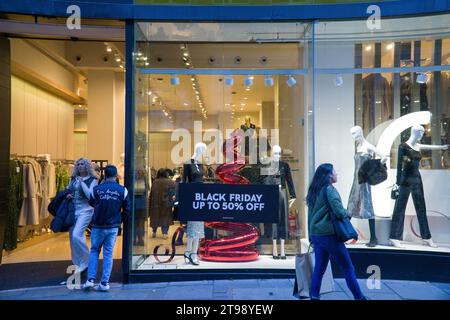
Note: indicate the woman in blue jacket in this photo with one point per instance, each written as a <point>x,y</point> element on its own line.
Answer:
<point>321,231</point>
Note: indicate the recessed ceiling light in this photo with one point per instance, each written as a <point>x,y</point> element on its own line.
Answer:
<point>186,54</point>
<point>247,89</point>
<point>108,49</point>
<point>185,104</point>
<point>259,104</point>
<point>192,79</point>
<point>118,59</point>
<point>245,98</point>
<point>149,93</point>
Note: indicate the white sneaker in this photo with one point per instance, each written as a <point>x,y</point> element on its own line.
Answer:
<point>102,287</point>
<point>429,242</point>
<point>396,243</point>
<point>88,285</point>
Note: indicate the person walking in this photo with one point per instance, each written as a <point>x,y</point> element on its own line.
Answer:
<point>111,207</point>
<point>82,182</point>
<point>321,231</point>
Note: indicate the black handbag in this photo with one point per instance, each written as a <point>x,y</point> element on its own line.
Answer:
<point>395,192</point>
<point>342,227</point>
<point>373,172</point>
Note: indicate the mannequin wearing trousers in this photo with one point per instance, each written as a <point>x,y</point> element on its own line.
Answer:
<point>409,181</point>
<point>193,172</point>
<point>360,204</point>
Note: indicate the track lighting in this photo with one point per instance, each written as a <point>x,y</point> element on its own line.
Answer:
<point>229,81</point>
<point>291,81</point>
<point>268,81</point>
<point>174,80</point>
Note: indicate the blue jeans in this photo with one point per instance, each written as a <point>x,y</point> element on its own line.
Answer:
<point>105,238</point>
<point>324,248</point>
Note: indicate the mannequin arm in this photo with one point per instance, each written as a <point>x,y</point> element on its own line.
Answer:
<point>432,147</point>
<point>383,157</point>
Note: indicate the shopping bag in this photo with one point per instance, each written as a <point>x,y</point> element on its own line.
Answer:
<point>304,267</point>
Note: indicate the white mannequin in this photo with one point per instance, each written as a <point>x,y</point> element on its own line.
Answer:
<point>363,146</point>
<point>193,242</point>
<point>417,132</point>
<point>276,156</point>
<point>121,169</point>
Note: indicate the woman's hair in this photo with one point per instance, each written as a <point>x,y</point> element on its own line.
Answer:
<point>89,168</point>
<point>322,178</point>
<point>162,173</point>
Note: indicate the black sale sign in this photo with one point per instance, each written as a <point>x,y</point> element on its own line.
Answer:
<point>228,202</point>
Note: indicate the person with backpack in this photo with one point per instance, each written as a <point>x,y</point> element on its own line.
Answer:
<point>82,182</point>
<point>111,207</point>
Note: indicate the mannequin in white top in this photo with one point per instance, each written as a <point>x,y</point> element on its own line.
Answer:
<point>410,181</point>
<point>360,200</point>
<point>193,173</point>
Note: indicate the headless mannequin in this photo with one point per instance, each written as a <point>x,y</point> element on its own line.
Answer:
<point>193,241</point>
<point>417,134</point>
<point>276,156</point>
<point>365,148</point>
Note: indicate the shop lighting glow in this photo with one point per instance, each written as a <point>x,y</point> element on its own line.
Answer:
<point>248,82</point>
<point>268,81</point>
<point>174,80</point>
<point>291,81</point>
<point>229,81</point>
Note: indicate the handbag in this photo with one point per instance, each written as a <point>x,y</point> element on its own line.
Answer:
<point>304,268</point>
<point>395,192</point>
<point>373,172</point>
<point>342,227</point>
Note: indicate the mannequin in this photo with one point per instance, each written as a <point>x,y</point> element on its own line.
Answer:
<point>410,181</point>
<point>249,128</point>
<point>281,175</point>
<point>193,172</point>
<point>360,200</point>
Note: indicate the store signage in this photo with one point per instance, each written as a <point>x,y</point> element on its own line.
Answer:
<point>228,202</point>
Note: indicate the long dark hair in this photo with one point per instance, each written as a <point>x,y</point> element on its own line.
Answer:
<point>322,178</point>
<point>162,173</point>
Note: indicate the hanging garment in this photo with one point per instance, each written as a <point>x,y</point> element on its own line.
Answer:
<point>15,198</point>
<point>45,199</point>
<point>360,200</point>
<point>29,213</point>
<point>163,189</point>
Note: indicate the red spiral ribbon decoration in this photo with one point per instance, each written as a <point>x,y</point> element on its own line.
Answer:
<point>237,247</point>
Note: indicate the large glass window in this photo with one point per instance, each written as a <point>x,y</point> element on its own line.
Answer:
<point>204,83</point>
<point>386,81</point>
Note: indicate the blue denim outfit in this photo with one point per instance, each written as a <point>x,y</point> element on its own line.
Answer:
<point>105,238</point>
<point>324,248</point>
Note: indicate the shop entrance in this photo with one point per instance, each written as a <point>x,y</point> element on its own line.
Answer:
<point>67,102</point>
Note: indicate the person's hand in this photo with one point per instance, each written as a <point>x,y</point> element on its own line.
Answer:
<point>80,179</point>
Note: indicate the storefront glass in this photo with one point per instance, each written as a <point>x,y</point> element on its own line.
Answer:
<point>197,82</point>
<point>385,81</point>
<point>201,83</point>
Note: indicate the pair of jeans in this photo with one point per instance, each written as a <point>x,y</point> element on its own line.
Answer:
<point>78,246</point>
<point>164,230</point>
<point>105,238</point>
<point>413,186</point>
<point>324,248</point>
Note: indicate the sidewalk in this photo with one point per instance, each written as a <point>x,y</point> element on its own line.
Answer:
<point>254,289</point>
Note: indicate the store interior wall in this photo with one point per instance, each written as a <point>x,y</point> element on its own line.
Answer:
<point>5,115</point>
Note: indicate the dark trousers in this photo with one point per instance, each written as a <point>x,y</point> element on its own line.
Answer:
<point>324,248</point>
<point>415,188</point>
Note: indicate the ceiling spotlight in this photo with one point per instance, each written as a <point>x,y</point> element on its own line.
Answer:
<point>422,78</point>
<point>248,81</point>
<point>185,104</point>
<point>229,81</point>
<point>108,49</point>
<point>339,81</point>
<point>291,81</point>
<point>121,66</point>
<point>192,79</point>
<point>174,80</point>
<point>147,64</point>
<point>117,59</point>
<point>247,89</point>
<point>139,54</point>
<point>268,81</point>
<point>186,54</point>
<point>149,93</point>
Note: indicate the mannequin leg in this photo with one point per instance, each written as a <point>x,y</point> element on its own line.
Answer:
<point>195,250</point>
<point>190,242</point>
<point>373,237</point>
<point>274,248</point>
<point>282,254</point>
